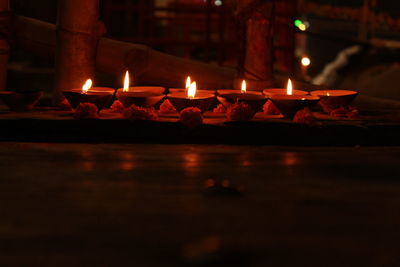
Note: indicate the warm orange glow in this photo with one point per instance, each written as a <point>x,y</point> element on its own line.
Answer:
<point>328,94</point>
<point>188,82</point>
<point>192,90</point>
<point>290,87</point>
<point>244,87</point>
<point>226,183</point>
<point>87,86</point>
<point>126,82</point>
<point>290,158</point>
<point>210,183</point>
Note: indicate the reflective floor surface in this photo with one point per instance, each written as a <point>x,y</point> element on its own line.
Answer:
<point>149,205</point>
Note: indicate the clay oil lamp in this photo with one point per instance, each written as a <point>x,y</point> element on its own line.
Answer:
<point>187,85</point>
<point>290,103</point>
<point>143,96</point>
<point>281,91</point>
<point>333,99</point>
<point>20,101</point>
<point>100,96</point>
<point>201,100</point>
<point>254,99</point>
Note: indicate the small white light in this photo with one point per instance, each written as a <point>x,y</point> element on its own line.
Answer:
<point>302,27</point>
<point>218,2</point>
<point>306,61</point>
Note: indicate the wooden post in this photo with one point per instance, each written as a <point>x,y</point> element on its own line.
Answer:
<point>4,45</point>
<point>284,36</point>
<point>256,24</point>
<point>363,28</point>
<point>78,32</point>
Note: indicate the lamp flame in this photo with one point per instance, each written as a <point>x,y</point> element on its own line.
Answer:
<point>188,82</point>
<point>244,87</point>
<point>126,82</point>
<point>328,94</point>
<point>192,90</point>
<point>87,86</point>
<point>289,87</point>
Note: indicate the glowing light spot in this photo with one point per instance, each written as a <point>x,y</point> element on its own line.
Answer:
<point>298,22</point>
<point>289,88</point>
<point>88,84</point>
<point>126,82</point>
<point>302,27</point>
<point>188,82</point>
<point>192,90</point>
<point>306,61</point>
<point>244,87</point>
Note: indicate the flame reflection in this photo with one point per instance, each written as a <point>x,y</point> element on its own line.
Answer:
<point>127,161</point>
<point>290,158</point>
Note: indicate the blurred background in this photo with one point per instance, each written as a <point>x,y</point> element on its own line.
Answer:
<point>350,44</point>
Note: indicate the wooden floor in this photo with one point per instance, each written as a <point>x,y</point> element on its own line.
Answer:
<point>146,205</point>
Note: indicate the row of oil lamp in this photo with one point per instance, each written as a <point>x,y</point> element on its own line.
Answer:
<point>288,100</point>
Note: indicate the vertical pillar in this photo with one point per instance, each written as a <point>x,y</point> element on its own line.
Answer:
<point>363,28</point>
<point>78,32</point>
<point>284,36</point>
<point>256,64</point>
<point>4,45</point>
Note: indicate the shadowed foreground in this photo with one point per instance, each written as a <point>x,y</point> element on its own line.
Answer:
<point>145,205</point>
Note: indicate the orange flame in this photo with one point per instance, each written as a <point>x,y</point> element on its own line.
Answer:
<point>290,87</point>
<point>328,94</point>
<point>126,82</point>
<point>188,82</point>
<point>192,90</point>
<point>244,87</point>
<point>87,86</point>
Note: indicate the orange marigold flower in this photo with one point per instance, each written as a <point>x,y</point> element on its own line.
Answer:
<point>240,112</point>
<point>167,107</point>
<point>140,113</point>
<point>117,107</point>
<point>191,117</point>
<point>86,111</point>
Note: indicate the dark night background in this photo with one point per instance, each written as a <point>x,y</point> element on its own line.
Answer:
<point>156,203</point>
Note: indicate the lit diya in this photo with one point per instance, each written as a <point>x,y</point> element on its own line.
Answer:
<point>201,100</point>
<point>20,101</point>
<point>100,96</point>
<point>187,85</point>
<point>333,99</point>
<point>290,103</point>
<point>281,91</point>
<point>254,99</point>
<point>143,96</point>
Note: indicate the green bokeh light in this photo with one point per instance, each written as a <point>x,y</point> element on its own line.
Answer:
<point>298,22</point>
